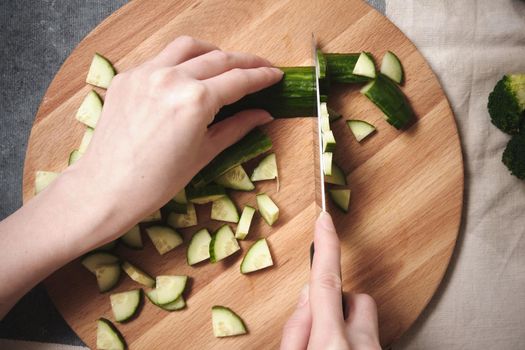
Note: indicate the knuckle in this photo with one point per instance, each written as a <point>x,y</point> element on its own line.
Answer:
<point>196,94</point>
<point>220,56</point>
<point>365,302</point>
<point>158,78</point>
<point>329,281</point>
<point>185,41</point>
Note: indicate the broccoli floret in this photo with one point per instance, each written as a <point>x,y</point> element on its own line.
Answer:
<point>514,156</point>
<point>507,103</point>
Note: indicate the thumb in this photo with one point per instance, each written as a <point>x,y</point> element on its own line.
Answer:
<point>296,331</point>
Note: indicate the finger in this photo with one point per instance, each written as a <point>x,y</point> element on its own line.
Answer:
<point>361,325</point>
<point>236,83</point>
<point>297,329</point>
<point>180,50</point>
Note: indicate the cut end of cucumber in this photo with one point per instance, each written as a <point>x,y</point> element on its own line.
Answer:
<point>108,337</point>
<point>269,211</point>
<point>327,163</point>
<point>181,197</point>
<point>97,259</point>
<point>226,323</point>
<point>266,170</point>
<point>74,156</point>
<point>243,228</point>
<point>138,275</point>
<point>337,177</point>
<point>257,258</point>
<point>236,179</point>
<point>391,67</point>
<point>170,288</point>
<point>44,179</point>
<point>178,304</point>
<point>164,238</point>
<point>101,72</point>
<point>107,277</point>
<point>328,141</point>
<point>199,247</point>
<point>360,128</point>
<point>90,109</point>
<point>224,209</point>
<point>341,198</point>
<point>365,66</point>
<point>189,219</point>
<point>86,139</point>
<point>133,238</point>
<point>153,217</point>
<point>125,305</point>
<point>223,244</point>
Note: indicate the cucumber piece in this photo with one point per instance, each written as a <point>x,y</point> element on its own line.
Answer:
<point>108,337</point>
<point>269,211</point>
<point>199,247</point>
<point>90,109</point>
<point>43,179</point>
<point>226,323</point>
<point>365,66</point>
<point>189,219</point>
<point>245,222</point>
<point>333,115</point>
<point>133,238</point>
<point>125,305</point>
<point>101,72</point>
<point>386,95</point>
<point>153,217</point>
<point>92,261</point>
<point>236,179</point>
<point>249,147</point>
<point>360,128</point>
<point>391,67</point>
<point>325,117</point>
<point>164,238</point>
<point>178,304</point>
<point>86,139</point>
<point>257,257</point>
<point>181,197</point>
<point>341,198</point>
<point>266,170</point>
<point>107,276</point>
<point>327,163</point>
<point>169,288</point>
<point>322,64</point>
<point>223,244</point>
<point>173,206</point>
<point>206,194</point>
<point>340,67</point>
<point>138,275</point>
<point>337,177</point>
<point>223,209</point>
<point>107,246</point>
<point>74,156</point>
<point>328,141</point>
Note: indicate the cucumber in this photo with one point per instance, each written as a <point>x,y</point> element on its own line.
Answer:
<point>133,238</point>
<point>181,197</point>
<point>328,141</point>
<point>340,67</point>
<point>74,156</point>
<point>226,323</point>
<point>101,72</point>
<point>341,198</point>
<point>321,60</point>
<point>138,275</point>
<point>125,305</point>
<point>236,179</point>
<point>245,222</point>
<point>223,244</point>
<point>327,163</point>
<point>164,238</point>
<point>169,288</point>
<point>108,337</point>
<point>206,194</point>
<point>107,276</point>
<point>269,211</point>
<point>173,206</point>
<point>266,170</point>
<point>178,304</point>
<point>391,67</point>
<point>325,117</point>
<point>249,147</point>
<point>108,246</point>
<point>223,209</point>
<point>199,247</point>
<point>257,257</point>
<point>360,128</point>
<point>337,177</point>
<point>92,261</point>
<point>333,115</point>
<point>386,95</point>
<point>153,217</point>
<point>189,219</point>
<point>43,179</point>
<point>86,139</point>
<point>365,66</point>
<point>90,109</point>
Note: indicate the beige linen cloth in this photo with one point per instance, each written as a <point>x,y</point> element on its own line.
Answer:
<point>470,45</point>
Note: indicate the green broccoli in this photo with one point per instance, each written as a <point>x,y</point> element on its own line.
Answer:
<point>507,103</point>
<point>514,156</point>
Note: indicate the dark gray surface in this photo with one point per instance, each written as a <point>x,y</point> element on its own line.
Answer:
<point>35,38</point>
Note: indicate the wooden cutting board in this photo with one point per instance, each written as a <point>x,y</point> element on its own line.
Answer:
<point>407,187</point>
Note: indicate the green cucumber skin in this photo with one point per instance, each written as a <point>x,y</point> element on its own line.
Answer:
<point>115,330</point>
<point>211,189</point>
<point>340,66</point>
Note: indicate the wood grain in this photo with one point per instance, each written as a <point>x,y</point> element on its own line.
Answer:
<point>407,187</point>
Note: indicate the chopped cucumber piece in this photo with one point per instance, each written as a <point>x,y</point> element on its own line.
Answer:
<point>325,118</point>
<point>124,305</point>
<point>107,276</point>
<point>391,67</point>
<point>223,244</point>
<point>269,211</point>
<point>328,141</point>
<point>266,170</point>
<point>189,219</point>
<point>164,238</point>
<point>153,217</point>
<point>43,179</point>
<point>341,198</point>
<point>133,238</point>
<point>181,197</point>
<point>245,222</point>
<point>178,304</point>
<point>360,128</point>
<point>86,139</point>
<point>340,67</point>
<point>108,337</point>
<point>172,206</point>
<point>107,246</point>
<point>365,66</point>
<point>101,72</point>
<point>92,261</point>
<point>90,109</point>
<point>199,247</point>
<point>226,323</point>
<point>337,177</point>
<point>169,288</point>
<point>236,179</point>
<point>138,275</point>
<point>257,257</point>
<point>322,64</point>
<point>206,194</point>
<point>327,163</point>
<point>74,156</point>
<point>223,209</point>
<point>333,115</point>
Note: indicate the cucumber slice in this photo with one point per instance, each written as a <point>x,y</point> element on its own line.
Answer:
<point>153,217</point>
<point>205,194</point>
<point>391,67</point>
<point>266,170</point>
<point>226,323</point>
<point>236,179</point>
<point>125,305</point>
<point>328,141</point>
<point>86,139</point>
<point>90,110</point>
<point>74,156</point>
<point>107,246</point>
<point>169,288</point>
<point>43,179</point>
<point>245,222</point>
<point>341,198</point>
<point>108,337</point>
<point>199,247</point>
<point>101,72</point>
<point>257,257</point>
<point>337,177</point>
<point>360,128</point>
<point>365,66</point>
<point>269,211</point>
<point>224,209</point>
<point>327,163</point>
<point>325,117</point>
<point>189,219</point>
<point>133,238</point>
<point>92,261</point>
<point>164,238</point>
<point>223,244</point>
<point>181,197</point>
<point>107,276</point>
<point>178,304</point>
<point>172,206</point>
<point>138,275</point>
<point>333,115</point>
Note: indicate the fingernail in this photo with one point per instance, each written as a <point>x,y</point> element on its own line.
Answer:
<point>277,70</point>
<point>325,220</point>
<point>303,297</point>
